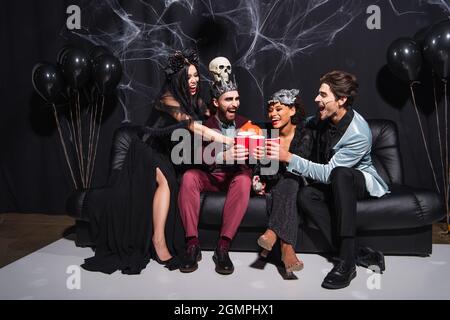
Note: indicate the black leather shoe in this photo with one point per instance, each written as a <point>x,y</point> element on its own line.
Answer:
<point>340,276</point>
<point>372,259</point>
<point>189,260</point>
<point>223,261</point>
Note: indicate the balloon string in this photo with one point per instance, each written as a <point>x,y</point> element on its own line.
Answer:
<point>439,132</point>
<point>74,140</point>
<point>447,175</point>
<point>88,112</point>
<point>90,139</point>
<point>98,134</point>
<point>64,146</point>
<point>80,136</point>
<point>93,139</point>
<point>423,136</point>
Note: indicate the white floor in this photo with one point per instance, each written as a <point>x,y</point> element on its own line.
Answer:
<point>53,273</point>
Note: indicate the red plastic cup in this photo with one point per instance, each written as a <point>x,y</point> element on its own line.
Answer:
<point>243,138</point>
<point>277,140</point>
<point>255,141</point>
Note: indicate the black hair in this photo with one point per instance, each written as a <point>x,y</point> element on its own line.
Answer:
<point>177,85</point>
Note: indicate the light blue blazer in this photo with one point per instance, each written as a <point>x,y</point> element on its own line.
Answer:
<point>351,151</point>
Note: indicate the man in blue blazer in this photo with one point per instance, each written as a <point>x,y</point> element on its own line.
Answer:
<point>342,171</point>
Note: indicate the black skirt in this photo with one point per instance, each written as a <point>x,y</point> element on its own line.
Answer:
<point>122,215</point>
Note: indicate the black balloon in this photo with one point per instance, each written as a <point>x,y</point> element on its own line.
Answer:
<point>97,51</point>
<point>106,72</point>
<point>420,36</point>
<point>47,81</point>
<point>62,52</point>
<point>404,59</point>
<point>436,49</point>
<point>75,67</point>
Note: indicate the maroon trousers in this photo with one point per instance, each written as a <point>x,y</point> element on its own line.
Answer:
<point>194,181</point>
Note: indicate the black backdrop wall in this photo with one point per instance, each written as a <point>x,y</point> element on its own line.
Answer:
<point>271,44</point>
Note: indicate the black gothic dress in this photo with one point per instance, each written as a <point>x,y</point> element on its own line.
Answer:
<point>121,214</point>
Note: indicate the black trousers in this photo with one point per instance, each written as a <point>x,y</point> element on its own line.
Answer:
<point>332,207</point>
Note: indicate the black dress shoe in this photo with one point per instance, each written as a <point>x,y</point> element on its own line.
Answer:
<point>340,276</point>
<point>189,261</point>
<point>223,261</point>
<point>372,259</point>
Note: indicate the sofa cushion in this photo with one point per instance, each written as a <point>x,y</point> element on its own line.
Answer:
<point>403,208</point>
<point>211,210</point>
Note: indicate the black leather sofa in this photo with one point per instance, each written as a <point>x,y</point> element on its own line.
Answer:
<point>398,223</point>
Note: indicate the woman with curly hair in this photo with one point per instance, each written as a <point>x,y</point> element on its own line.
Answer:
<point>287,115</point>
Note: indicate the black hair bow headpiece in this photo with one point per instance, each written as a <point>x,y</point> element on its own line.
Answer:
<point>179,59</point>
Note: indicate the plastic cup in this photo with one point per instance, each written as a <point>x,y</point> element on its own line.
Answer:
<point>243,138</point>
<point>255,141</point>
<point>277,140</point>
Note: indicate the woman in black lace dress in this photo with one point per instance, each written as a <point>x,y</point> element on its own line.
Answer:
<point>287,114</point>
<point>136,218</point>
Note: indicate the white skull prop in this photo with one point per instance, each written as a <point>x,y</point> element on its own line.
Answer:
<point>220,68</point>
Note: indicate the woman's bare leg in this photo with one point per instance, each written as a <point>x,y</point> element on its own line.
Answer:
<point>161,203</point>
<point>289,258</point>
<point>267,239</point>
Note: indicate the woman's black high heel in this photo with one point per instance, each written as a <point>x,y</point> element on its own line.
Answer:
<point>171,264</point>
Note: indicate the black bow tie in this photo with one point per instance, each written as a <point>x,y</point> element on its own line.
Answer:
<point>227,125</point>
